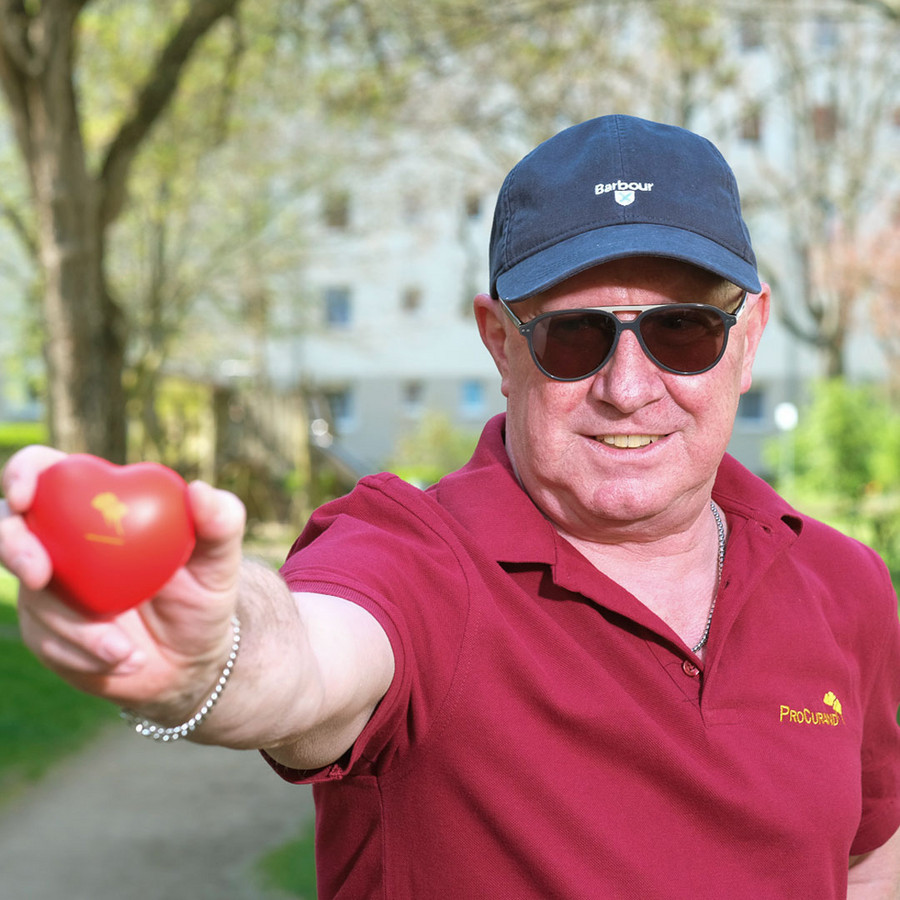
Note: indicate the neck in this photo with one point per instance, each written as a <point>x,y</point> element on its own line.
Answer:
<point>676,577</point>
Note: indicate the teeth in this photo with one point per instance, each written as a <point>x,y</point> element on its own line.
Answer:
<point>628,441</point>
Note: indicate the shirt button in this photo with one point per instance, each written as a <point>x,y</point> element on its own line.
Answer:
<point>690,669</point>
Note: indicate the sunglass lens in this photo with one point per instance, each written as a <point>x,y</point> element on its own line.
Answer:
<point>684,340</point>
<point>573,346</point>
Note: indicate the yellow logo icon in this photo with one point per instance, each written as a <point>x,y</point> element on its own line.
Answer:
<point>113,511</point>
<point>806,716</point>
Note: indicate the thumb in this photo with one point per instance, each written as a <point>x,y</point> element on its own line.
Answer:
<point>219,519</point>
<point>219,516</point>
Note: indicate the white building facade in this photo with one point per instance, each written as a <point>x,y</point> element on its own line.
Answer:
<point>397,256</point>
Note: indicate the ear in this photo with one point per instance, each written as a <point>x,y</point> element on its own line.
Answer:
<point>493,330</point>
<point>757,316</point>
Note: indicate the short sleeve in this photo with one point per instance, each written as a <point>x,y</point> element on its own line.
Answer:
<point>388,548</point>
<point>881,734</point>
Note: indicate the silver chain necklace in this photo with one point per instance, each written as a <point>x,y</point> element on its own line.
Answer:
<point>720,528</point>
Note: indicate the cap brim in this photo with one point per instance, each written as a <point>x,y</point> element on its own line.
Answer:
<point>549,267</point>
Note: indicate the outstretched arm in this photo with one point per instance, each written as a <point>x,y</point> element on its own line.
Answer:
<point>310,671</point>
<point>876,875</point>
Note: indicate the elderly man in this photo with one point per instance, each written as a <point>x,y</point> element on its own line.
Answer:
<point>602,659</point>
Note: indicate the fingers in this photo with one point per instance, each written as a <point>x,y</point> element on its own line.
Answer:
<point>218,515</point>
<point>219,519</point>
<point>21,552</point>
<point>63,639</point>
<point>21,473</point>
<point>72,645</point>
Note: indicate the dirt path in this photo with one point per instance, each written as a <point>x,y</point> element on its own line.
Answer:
<point>128,819</point>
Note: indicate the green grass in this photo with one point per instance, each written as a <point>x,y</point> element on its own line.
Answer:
<point>292,868</point>
<point>20,434</point>
<point>41,718</point>
<point>15,435</point>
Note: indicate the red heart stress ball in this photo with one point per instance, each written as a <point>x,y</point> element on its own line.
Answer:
<point>115,534</point>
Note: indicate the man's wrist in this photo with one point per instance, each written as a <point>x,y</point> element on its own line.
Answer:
<point>154,731</point>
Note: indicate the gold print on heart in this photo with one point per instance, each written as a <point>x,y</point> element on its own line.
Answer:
<point>113,511</point>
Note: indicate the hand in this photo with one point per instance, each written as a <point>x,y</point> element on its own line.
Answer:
<point>162,657</point>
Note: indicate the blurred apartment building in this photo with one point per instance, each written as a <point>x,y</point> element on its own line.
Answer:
<point>397,256</point>
<point>375,328</point>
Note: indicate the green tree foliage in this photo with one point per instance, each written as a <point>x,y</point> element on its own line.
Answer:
<point>848,442</point>
<point>432,450</point>
<point>78,186</point>
<point>845,462</point>
<point>186,135</point>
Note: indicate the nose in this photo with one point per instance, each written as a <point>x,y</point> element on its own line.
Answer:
<point>630,380</point>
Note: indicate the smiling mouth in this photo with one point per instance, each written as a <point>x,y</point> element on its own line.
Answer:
<point>628,441</point>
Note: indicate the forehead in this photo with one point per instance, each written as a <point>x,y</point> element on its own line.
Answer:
<point>656,280</point>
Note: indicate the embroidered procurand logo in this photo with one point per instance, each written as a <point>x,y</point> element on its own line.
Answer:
<point>831,718</point>
<point>624,192</point>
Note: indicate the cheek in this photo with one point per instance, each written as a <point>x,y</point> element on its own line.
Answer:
<point>540,413</point>
<point>711,399</point>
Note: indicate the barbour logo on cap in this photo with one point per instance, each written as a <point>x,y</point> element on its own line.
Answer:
<point>623,189</point>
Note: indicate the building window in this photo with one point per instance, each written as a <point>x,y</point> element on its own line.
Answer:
<point>751,36</point>
<point>413,208</point>
<point>473,206</point>
<point>751,127</point>
<point>413,398</point>
<point>824,124</point>
<point>336,210</point>
<point>826,35</point>
<point>342,404</point>
<point>471,398</point>
<point>338,313</point>
<point>411,301</point>
<point>752,407</point>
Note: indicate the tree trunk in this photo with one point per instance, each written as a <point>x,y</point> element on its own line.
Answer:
<point>84,337</point>
<point>85,329</point>
<point>84,341</point>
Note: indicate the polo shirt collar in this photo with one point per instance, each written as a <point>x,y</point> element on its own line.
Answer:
<point>487,498</point>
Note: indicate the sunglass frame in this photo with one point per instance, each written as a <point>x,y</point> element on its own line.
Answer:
<point>526,329</point>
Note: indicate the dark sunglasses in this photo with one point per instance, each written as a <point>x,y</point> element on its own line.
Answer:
<point>682,338</point>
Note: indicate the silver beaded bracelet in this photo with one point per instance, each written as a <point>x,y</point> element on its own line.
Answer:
<point>148,729</point>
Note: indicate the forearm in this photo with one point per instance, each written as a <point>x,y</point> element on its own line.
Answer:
<point>881,889</point>
<point>310,671</point>
<point>272,686</point>
<point>876,875</point>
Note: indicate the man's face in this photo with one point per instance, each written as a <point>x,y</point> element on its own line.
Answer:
<point>631,449</point>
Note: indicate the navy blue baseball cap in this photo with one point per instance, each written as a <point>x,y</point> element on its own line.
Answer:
<point>615,187</point>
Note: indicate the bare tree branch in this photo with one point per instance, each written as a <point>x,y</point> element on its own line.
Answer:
<point>11,213</point>
<point>230,77</point>
<point>888,10</point>
<point>15,40</point>
<point>153,99</point>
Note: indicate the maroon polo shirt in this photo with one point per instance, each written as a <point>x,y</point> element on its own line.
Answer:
<point>547,736</point>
